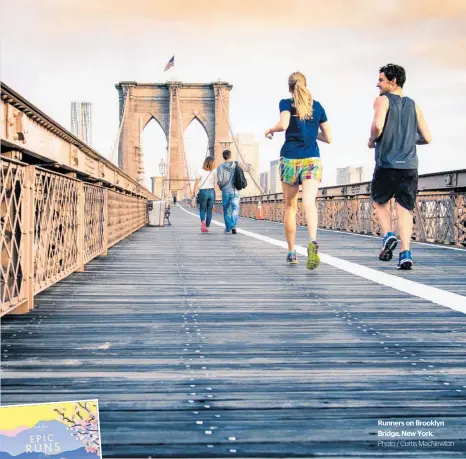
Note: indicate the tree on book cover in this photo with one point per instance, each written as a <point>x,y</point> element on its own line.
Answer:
<point>68,430</point>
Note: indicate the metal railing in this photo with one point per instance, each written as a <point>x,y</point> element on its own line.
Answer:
<point>51,225</point>
<point>439,216</point>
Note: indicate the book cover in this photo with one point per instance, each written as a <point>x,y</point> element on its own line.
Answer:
<point>65,430</point>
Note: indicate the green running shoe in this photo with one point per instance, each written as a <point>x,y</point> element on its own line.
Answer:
<point>313,259</point>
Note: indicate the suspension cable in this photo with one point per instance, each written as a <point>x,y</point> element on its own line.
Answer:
<point>236,144</point>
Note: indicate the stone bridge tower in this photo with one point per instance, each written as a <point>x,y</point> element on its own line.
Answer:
<point>173,105</point>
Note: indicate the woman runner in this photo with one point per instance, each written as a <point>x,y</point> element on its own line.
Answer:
<point>304,122</point>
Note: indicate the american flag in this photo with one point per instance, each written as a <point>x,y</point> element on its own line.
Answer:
<point>170,64</point>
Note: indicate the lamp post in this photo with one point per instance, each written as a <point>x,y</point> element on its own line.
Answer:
<point>162,167</point>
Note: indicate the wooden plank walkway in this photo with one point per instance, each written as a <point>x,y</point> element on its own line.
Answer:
<point>208,345</point>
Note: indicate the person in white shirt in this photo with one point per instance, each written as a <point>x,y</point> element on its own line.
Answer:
<point>205,183</point>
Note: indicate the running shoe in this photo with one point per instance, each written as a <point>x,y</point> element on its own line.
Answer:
<point>313,259</point>
<point>388,246</point>
<point>405,261</point>
<point>291,258</point>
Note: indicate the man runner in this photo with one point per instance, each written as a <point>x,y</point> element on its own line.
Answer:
<point>397,128</point>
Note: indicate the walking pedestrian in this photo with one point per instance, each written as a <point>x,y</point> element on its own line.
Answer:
<point>205,183</point>
<point>230,195</point>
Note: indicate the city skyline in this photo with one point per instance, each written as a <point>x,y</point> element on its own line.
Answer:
<point>341,57</point>
<point>350,174</point>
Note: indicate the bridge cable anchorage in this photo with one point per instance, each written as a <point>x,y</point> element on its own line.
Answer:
<point>261,191</point>
<point>114,159</point>
<point>182,142</point>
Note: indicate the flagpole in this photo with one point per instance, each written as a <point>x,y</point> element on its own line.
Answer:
<point>168,68</point>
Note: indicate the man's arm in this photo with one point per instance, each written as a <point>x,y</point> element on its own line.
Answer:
<point>381,106</point>
<point>425,136</point>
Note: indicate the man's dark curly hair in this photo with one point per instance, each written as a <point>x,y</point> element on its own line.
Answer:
<point>392,71</point>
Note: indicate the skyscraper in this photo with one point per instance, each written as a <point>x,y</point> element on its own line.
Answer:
<point>81,121</point>
<point>264,181</point>
<point>274,177</point>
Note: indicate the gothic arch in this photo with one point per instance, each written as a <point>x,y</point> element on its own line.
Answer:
<point>149,118</point>
<point>203,122</point>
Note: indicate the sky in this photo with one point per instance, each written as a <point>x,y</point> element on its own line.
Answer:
<point>65,50</point>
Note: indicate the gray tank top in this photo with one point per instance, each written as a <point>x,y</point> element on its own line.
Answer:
<point>396,147</point>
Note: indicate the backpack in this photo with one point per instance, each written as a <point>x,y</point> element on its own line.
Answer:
<point>239,180</point>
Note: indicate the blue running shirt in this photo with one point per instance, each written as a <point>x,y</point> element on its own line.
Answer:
<point>301,135</point>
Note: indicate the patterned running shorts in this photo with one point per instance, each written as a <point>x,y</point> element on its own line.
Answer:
<point>295,171</point>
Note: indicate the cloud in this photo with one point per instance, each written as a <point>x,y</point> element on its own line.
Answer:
<point>300,13</point>
<point>446,52</point>
<point>436,29</point>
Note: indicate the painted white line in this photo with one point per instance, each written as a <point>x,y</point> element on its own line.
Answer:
<point>426,244</point>
<point>431,245</point>
<point>435,295</point>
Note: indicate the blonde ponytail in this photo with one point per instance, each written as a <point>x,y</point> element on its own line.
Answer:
<point>301,95</point>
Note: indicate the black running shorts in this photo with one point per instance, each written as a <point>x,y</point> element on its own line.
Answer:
<point>401,183</point>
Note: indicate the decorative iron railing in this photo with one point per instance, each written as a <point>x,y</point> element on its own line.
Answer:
<point>51,225</point>
<point>56,222</point>
<point>95,221</point>
<point>439,216</point>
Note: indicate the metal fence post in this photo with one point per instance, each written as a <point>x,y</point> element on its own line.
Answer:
<point>27,243</point>
<point>459,220</point>
<point>105,224</point>
<point>81,226</point>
